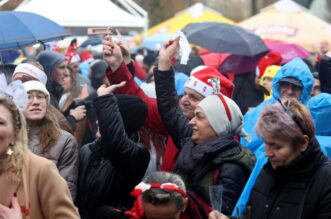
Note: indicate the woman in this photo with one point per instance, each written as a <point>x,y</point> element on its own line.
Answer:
<point>296,181</point>
<point>46,139</point>
<point>41,192</point>
<point>208,153</point>
<point>160,195</point>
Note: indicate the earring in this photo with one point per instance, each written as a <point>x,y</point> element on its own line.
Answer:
<point>9,151</point>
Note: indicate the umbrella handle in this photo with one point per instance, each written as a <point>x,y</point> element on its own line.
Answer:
<point>43,44</point>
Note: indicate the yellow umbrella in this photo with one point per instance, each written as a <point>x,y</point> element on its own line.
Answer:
<point>196,13</point>
<point>289,22</point>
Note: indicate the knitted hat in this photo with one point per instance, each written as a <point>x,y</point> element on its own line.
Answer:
<point>50,60</point>
<point>36,86</point>
<point>200,81</point>
<point>32,71</point>
<point>271,58</point>
<point>223,115</point>
<point>133,111</point>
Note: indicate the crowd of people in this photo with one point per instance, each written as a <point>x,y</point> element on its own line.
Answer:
<point>118,137</point>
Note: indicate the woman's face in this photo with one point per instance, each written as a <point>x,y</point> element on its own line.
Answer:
<point>202,130</point>
<point>281,152</point>
<point>59,72</point>
<point>66,82</point>
<point>267,83</point>
<point>36,107</point>
<point>7,131</point>
<point>169,211</point>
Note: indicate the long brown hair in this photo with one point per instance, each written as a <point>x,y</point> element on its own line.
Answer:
<point>49,131</point>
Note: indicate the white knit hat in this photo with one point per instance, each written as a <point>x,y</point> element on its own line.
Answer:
<point>223,115</point>
<point>36,86</point>
<point>31,70</point>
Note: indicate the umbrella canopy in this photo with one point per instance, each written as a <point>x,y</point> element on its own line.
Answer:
<point>287,21</point>
<point>288,51</point>
<point>156,41</point>
<point>225,38</point>
<point>19,29</point>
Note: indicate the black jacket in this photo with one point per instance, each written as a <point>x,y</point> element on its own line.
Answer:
<point>300,190</point>
<point>324,73</point>
<point>109,168</point>
<point>195,163</point>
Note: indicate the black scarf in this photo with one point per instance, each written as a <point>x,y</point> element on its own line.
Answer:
<point>191,155</point>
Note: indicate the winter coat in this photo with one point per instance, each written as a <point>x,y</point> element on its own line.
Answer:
<point>320,109</point>
<point>64,154</point>
<point>45,191</point>
<point>196,163</point>
<point>110,167</point>
<point>153,120</point>
<point>297,69</point>
<point>300,190</point>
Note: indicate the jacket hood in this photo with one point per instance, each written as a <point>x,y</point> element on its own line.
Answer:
<point>320,109</point>
<point>296,69</point>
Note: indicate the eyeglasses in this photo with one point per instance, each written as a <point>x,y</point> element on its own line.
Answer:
<point>39,97</point>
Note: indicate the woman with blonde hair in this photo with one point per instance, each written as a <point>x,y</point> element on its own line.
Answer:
<point>26,180</point>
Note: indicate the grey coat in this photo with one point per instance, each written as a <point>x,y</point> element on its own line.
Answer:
<point>64,154</point>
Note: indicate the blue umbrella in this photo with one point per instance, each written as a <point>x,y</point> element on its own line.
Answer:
<point>155,42</point>
<point>19,29</point>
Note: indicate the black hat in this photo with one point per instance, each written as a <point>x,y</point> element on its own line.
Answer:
<point>292,80</point>
<point>133,111</point>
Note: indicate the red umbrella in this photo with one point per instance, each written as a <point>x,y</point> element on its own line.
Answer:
<point>214,59</point>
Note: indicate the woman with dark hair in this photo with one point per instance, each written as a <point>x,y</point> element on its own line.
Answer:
<point>46,139</point>
<point>296,180</point>
<point>160,195</point>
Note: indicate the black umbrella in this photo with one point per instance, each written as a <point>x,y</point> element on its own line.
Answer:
<point>224,38</point>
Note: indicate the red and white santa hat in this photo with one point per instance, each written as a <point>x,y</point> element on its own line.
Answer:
<point>223,115</point>
<point>201,80</point>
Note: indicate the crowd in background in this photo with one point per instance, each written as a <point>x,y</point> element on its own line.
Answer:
<point>142,136</point>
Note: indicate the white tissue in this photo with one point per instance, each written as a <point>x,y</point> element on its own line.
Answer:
<point>184,47</point>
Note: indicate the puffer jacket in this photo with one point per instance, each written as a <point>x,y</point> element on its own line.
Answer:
<point>64,154</point>
<point>302,190</point>
<point>110,167</point>
<point>295,68</point>
<point>222,155</point>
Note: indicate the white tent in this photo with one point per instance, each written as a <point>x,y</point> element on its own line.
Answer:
<point>83,13</point>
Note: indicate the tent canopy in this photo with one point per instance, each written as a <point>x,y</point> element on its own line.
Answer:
<point>287,21</point>
<point>83,13</point>
<point>196,13</point>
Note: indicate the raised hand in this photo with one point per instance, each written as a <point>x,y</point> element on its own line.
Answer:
<point>79,112</point>
<point>103,89</point>
<point>112,53</point>
<point>125,51</point>
<point>167,52</point>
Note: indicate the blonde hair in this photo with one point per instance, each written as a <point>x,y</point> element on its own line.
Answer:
<point>12,165</point>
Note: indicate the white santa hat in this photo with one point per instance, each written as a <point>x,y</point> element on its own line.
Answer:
<point>36,86</point>
<point>223,115</point>
<point>32,71</point>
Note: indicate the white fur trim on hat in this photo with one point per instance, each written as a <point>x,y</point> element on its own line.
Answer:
<point>36,86</point>
<point>199,86</point>
<point>31,70</point>
<point>216,114</point>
